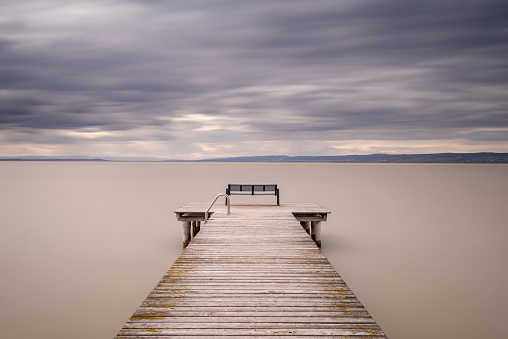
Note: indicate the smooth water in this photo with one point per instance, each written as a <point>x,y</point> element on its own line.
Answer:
<point>423,246</point>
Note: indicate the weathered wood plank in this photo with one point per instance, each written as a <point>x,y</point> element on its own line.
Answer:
<point>266,311</point>
<point>243,337</point>
<point>254,331</point>
<point>255,319</point>
<point>236,324</point>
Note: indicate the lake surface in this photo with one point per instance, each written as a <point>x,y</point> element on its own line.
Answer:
<point>423,246</point>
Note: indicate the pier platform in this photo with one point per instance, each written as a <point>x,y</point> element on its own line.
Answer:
<point>254,273</point>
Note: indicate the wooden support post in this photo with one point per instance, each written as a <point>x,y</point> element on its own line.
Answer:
<point>316,232</point>
<point>186,233</point>
<point>196,226</point>
<point>306,226</point>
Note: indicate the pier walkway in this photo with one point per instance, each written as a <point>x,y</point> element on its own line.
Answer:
<point>254,273</point>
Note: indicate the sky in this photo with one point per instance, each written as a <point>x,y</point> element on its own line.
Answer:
<point>194,79</point>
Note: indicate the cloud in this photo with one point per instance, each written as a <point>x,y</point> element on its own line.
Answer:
<point>180,74</point>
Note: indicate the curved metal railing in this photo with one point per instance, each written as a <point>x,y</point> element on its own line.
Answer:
<point>214,200</point>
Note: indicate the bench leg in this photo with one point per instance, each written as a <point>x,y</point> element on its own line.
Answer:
<point>278,203</point>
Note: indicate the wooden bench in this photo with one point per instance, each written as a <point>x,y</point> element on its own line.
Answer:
<point>242,189</point>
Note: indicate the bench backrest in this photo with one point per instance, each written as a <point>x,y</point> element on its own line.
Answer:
<point>241,189</point>
<point>252,188</point>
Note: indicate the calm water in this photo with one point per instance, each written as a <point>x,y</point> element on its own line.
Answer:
<point>423,246</point>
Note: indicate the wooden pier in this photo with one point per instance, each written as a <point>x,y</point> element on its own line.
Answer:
<point>254,273</point>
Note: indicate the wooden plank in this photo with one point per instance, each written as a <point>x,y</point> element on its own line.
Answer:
<point>238,324</point>
<point>314,315</point>
<point>296,207</point>
<point>374,332</point>
<point>243,337</point>
<point>256,319</point>
<point>254,273</point>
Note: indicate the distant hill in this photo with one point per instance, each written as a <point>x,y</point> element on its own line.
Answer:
<point>77,158</point>
<point>49,158</point>
<point>379,158</point>
<point>479,158</point>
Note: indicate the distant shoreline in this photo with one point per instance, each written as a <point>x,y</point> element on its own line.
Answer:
<point>443,158</point>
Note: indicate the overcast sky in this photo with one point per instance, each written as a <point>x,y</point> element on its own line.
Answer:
<point>191,79</point>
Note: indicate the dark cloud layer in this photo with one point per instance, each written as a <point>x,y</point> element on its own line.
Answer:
<point>176,78</point>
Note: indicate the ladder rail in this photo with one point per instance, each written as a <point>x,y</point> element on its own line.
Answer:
<point>228,203</point>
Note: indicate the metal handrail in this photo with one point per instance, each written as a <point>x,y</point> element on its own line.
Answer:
<point>214,200</point>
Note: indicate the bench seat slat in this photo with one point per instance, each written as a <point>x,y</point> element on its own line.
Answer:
<point>250,193</point>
